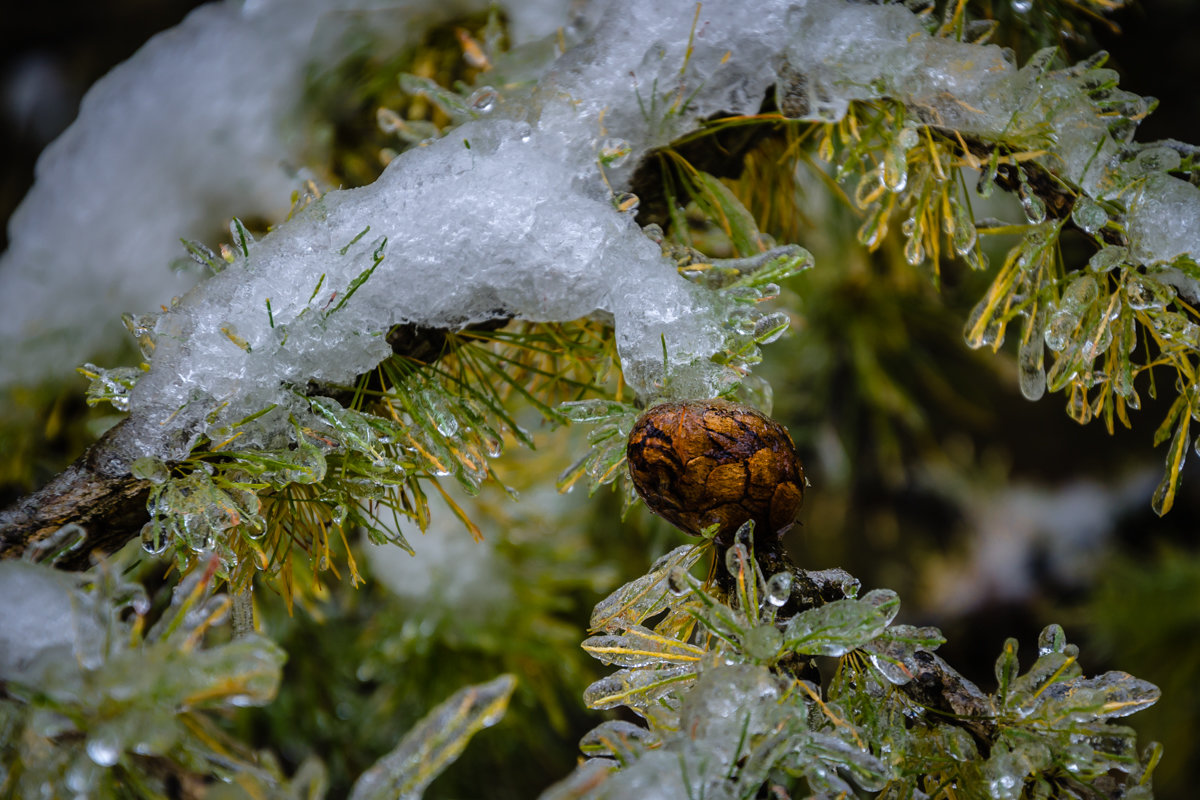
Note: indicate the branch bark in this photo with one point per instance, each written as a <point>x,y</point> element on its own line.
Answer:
<point>97,492</point>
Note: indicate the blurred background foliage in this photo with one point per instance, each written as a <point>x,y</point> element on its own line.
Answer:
<point>931,474</point>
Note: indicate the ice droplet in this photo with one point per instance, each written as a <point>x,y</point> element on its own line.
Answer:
<point>735,558</point>
<point>150,469</point>
<point>103,750</point>
<point>895,168</point>
<point>615,152</point>
<point>1030,364</point>
<point>1031,204</point>
<point>1051,640</point>
<point>66,539</point>
<point>770,327</point>
<point>677,581</point>
<point>763,642</point>
<point>1080,295</point>
<point>626,202</point>
<point>483,100</point>
<point>1107,258</point>
<point>779,588</point>
<point>81,777</point>
<point>1088,215</point>
<point>1058,330</point>
<point>1157,159</point>
<point>1145,293</point>
<point>388,120</point>
<point>963,238</point>
<point>977,335</point>
<point>155,537</point>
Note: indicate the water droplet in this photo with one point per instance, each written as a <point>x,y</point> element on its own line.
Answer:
<point>963,236</point>
<point>978,333</point>
<point>483,100</point>
<point>81,777</point>
<point>873,228</point>
<point>1022,6</point>
<point>1156,159</point>
<point>1080,295</point>
<point>770,327</point>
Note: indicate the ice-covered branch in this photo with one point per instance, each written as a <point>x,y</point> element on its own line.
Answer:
<point>518,211</point>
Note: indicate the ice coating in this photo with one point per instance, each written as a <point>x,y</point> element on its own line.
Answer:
<point>47,623</point>
<point>199,125</point>
<point>853,52</point>
<point>508,215</point>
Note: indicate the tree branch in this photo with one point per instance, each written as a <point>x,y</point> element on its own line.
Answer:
<point>99,493</point>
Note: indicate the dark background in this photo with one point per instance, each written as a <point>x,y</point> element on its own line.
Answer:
<point>53,52</point>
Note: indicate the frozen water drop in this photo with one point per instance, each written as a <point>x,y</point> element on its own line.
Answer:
<point>1143,293</point>
<point>1051,640</point>
<point>914,251</point>
<point>150,469</point>
<point>1107,258</point>
<point>1032,205</point>
<point>68,538</point>
<point>1157,159</point>
<point>1080,295</point>
<point>736,558</point>
<point>779,588</point>
<point>483,100</point>
<point>770,327</point>
<point>1058,330</point>
<point>677,581</point>
<point>615,152</point>
<point>763,642</point>
<point>388,120</point>
<point>980,333</point>
<point>103,750</point>
<point>1030,363</point>
<point>155,537</point>
<point>1088,215</point>
<point>895,169</point>
<point>626,202</point>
